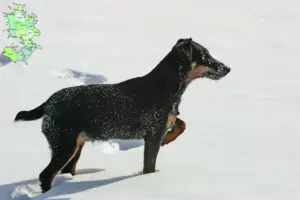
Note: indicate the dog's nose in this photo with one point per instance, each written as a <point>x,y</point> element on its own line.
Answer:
<point>227,70</point>
<point>223,70</point>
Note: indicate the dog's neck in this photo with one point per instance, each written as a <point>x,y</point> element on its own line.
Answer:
<point>166,78</point>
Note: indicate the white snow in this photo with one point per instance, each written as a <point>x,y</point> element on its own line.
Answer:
<point>243,132</point>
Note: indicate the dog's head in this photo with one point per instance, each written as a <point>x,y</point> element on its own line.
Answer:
<point>196,62</point>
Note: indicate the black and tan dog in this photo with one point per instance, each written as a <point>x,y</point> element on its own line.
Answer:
<point>145,107</point>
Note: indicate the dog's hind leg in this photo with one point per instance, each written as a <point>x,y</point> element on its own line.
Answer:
<point>71,166</point>
<point>178,129</point>
<point>62,152</point>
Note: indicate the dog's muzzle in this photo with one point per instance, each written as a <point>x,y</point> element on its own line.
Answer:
<point>218,73</point>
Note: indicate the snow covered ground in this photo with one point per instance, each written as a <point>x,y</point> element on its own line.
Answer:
<point>243,132</point>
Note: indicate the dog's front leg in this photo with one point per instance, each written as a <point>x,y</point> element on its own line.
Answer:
<point>151,149</point>
<point>178,129</point>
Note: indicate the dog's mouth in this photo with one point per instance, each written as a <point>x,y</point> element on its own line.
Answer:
<point>216,75</point>
<point>211,75</point>
<point>208,72</point>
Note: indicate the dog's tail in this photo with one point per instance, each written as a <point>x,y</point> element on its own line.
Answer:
<point>34,114</point>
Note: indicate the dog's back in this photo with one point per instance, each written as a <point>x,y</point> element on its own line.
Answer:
<point>107,111</point>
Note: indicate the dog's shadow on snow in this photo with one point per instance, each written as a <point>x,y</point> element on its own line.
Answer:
<point>62,186</point>
<point>22,189</point>
<point>77,187</point>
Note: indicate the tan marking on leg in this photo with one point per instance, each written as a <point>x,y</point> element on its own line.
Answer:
<point>171,121</point>
<point>73,171</point>
<point>79,141</point>
<point>177,130</point>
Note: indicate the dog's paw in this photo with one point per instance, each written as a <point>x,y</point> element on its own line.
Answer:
<point>164,142</point>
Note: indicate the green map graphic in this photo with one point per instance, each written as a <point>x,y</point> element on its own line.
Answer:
<point>21,26</point>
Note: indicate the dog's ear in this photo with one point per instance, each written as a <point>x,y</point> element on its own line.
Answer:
<point>184,50</point>
<point>183,40</point>
<point>179,41</point>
